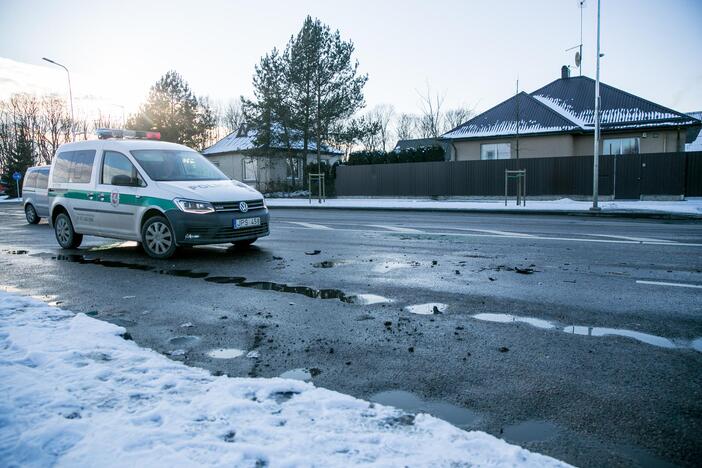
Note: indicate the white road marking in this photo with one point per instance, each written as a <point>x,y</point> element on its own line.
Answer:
<point>635,239</point>
<point>396,228</point>
<point>530,238</point>
<point>499,233</point>
<point>311,226</point>
<point>664,283</point>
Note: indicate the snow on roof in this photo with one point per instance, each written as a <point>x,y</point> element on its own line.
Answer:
<point>535,117</point>
<point>75,393</point>
<point>236,142</point>
<point>572,99</point>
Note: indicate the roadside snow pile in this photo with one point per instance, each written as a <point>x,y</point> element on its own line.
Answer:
<point>6,199</point>
<point>77,394</point>
<point>295,194</point>
<point>689,206</point>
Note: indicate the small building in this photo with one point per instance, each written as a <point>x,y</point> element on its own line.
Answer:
<point>695,145</point>
<point>271,169</point>
<point>558,120</point>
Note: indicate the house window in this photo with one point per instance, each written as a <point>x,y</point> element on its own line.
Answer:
<point>617,146</point>
<point>250,168</point>
<point>496,151</point>
<point>294,168</point>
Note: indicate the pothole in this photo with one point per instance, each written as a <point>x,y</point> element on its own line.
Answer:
<point>302,373</point>
<point>407,401</point>
<point>184,341</point>
<point>507,318</point>
<point>368,299</point>
<point>225,353</point>
<point>530,431</point>
<point>427,309</point>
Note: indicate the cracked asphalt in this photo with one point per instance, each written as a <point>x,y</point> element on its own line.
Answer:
<point>594,359</point>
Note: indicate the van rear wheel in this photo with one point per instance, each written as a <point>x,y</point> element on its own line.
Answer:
<point>31,214</point>
<point>66,236</point>
<point>158,238</point>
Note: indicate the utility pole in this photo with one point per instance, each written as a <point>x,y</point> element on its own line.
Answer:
<point>596,155</point>
<point>517,104</point>
<point>70,94</point>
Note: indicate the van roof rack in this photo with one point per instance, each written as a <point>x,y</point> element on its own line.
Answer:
<point>106,133</point>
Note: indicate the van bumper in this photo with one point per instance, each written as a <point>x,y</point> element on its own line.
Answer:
<point>215,228</point>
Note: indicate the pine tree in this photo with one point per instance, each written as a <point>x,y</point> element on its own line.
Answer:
<point>20,157</point>
<point>173,110</point>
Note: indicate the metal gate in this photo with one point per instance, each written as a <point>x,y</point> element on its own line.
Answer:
<point>627,170</point>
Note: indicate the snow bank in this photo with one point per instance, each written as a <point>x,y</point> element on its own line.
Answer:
<point>75,393</point>
<point>6,199</point>
<point>690,206</point>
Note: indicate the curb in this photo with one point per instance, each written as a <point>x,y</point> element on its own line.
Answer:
<point>590,214</point>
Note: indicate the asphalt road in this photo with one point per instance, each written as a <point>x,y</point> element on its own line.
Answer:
<point>567,384</point>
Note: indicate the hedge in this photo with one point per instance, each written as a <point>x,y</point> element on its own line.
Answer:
<point>423,154</point>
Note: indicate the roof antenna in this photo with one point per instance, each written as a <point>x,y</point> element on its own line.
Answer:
<point>579,52</point>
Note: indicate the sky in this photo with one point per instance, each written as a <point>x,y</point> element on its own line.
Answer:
<point>470,52</point>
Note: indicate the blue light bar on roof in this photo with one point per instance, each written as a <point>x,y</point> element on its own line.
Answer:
<point>105,133</point>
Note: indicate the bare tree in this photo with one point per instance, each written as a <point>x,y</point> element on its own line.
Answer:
<point>232,117</point>
<point>382,114</point>
<point>54,124</point>
<point>406,126</point>
<point>455,117</point>
<point>432,117</point>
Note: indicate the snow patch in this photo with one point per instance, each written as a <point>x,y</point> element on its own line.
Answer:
<point>77,394</point>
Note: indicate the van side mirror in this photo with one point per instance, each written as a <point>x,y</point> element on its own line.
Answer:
<point>124,181</point>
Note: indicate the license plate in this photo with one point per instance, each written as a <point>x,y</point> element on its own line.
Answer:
<point>246,222</point>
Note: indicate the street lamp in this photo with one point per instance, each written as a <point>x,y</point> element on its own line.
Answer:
<point>70,93</point>
<point>596,155</point>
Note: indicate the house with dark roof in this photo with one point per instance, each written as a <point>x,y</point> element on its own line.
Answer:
<point>278,167</point>
<point>558,120</point>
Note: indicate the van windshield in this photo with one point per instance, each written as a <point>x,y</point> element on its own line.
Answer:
<point>177,165</point>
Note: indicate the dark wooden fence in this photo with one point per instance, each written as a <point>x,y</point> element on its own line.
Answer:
<point>638,174</point>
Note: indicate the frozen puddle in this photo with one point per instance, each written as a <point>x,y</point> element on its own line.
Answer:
<point>389,266</point>
<point>507,318</point>
<point>183,341</point>
<point>639,336</point>
<point>647,338</point>
<point>303,374</point>
<point>529,431</point>
<point>226,353</point>
<point>369,299</point>
<point>427,309</point>
<point>407,401</point>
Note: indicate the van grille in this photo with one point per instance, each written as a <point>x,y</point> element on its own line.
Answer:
<point>234,205</point>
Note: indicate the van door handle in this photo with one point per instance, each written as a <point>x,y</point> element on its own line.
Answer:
<point>101,197</point>
<point>90,196</point>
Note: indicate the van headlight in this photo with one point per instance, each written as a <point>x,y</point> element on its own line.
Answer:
<point>194,206</point>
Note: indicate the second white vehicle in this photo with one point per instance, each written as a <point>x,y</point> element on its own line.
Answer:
<point>161,194</point>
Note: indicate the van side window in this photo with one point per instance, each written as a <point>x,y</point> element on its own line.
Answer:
<point>31,180</point>
<point>62,167</point>
<point>117,169</point>
<point>42,179</point>
<point>74,166</point>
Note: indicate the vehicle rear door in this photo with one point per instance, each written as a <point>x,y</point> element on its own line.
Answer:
<point>41,193</point>
<point>73,182</point>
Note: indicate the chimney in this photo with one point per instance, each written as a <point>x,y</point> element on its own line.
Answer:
<point>565,72</point>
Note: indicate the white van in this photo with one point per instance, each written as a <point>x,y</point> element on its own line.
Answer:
<point>161,194</point>
<point>35,194</point>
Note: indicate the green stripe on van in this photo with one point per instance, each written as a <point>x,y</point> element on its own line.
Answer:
<point>124,198</point>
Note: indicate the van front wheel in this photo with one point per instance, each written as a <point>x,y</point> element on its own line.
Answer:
<point>158,239</point>
<point>65,235</point>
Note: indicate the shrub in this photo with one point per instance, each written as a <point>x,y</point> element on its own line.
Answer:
<point>423,154</point>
